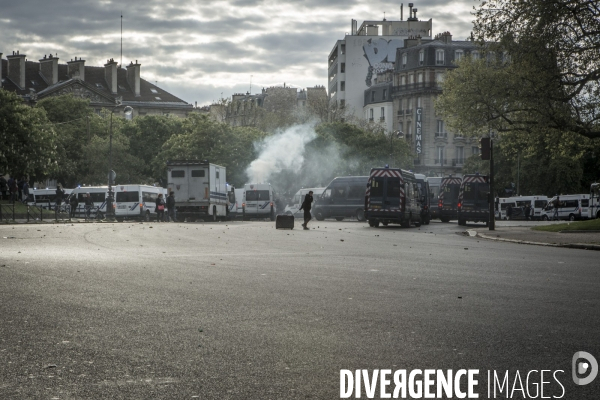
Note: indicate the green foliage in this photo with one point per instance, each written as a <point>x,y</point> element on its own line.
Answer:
<point>219,143</point>
<point>28,139</point>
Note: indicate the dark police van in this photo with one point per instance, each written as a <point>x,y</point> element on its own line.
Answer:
<point>448,199</point>
<point>473,199</point>
<point>343,198</point>
<point>392,196</point>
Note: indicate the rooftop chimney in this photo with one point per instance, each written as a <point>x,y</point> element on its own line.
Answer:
<point>76,69</point>
<point>16,69</point>
<point>49,69</point>
<point>133,77</point>
<point>110,74</point>
<point>410,13</point>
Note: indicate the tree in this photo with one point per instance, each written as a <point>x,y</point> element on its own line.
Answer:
<point>28,140</point>
<point>551,77</point>
<point>75,124</point>
<point>204,139</point>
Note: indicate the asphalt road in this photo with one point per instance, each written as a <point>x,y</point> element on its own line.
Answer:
<point>243,311</point>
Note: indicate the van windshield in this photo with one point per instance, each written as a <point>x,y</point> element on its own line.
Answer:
<point>257,195</point>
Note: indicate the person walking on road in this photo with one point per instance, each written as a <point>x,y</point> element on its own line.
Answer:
<point>527,212</point>
<point>171,206</point>
<point>160,208</point>
<point>556,205</point>
<point>509,211</point>
<point>25,191</point>
<point>306,206</point>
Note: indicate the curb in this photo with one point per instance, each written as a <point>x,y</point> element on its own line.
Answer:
<point>581,246</point>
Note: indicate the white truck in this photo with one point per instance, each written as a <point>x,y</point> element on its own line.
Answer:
<point>200,189</point>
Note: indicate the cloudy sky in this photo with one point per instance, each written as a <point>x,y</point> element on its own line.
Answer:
<point>200,50</point>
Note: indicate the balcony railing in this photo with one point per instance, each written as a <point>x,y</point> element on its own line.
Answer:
<point>382,118</point>
<point>416,86</point>
<point>441,135</point>
<point>437,161</point>
<point>458,161</point>
<point>408,111</point>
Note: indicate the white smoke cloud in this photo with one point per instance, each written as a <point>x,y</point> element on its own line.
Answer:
<point>282,151</point>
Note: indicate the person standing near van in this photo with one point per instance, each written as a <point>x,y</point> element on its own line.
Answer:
<point>306,206</point>
<point>3,187</point>
<point>509,212</point>
<point>160,208</point>
<point>73,202</point>
<point>171,206</point>
<point>556,206</point>
<point>25,191</point>
<point>88,204</point>
<point>527,211</point>
<point>59,197</point>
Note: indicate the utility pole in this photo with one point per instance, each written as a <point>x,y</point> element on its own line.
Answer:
<point>492,224</point>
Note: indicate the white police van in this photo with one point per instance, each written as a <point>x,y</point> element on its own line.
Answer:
<point>570,207</point>
<point>136,201</point>
<point>258,201</point>
<point>46,198</point>
<point>98,194</point>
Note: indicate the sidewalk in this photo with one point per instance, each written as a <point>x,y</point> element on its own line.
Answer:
<point>589,240</point>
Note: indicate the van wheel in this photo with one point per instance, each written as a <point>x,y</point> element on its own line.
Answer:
<point>545,218</point>
<point>339,218</point>
<point>374,223</point>
<point>385,223</point>
<point>319,216</point>
<point>147,216</point>
<point>571,217</point>
<point>406,223</point>
<point>119,219</point>
<point>360,215</point>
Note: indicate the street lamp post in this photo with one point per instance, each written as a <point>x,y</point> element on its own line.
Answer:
<point>110,212</point>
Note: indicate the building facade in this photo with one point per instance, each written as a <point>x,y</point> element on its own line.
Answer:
<point>105,87</point>
<point>419,71</point>
<point>355,62</point>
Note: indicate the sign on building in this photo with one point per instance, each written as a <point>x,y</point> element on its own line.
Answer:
<point>419,130</point>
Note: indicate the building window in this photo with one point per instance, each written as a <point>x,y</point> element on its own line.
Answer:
<point>475,55</point>
<point>343,49</point>
<point>154,90</point>
<point>440,129</point>
<point>411,78</point>
<point>460,155</point>
<point>404,59</point>
<point>420,77</point>
<point>372,96</point>
<point>439,57</point>
<point>409,105</point>
<point>382,113</point>
<point>458,55</point>
<point>370,114</point>
<point>403,80</point>
<point>400,127</point>
<point>409,129</point>
<point>342,86</point>
<point>384,94</point>
<point>440,155</point>
<point>419,102</point>
<point>475,150</point>
<point>342,103</point>
<point>342,67</point>
<point>421,57</point>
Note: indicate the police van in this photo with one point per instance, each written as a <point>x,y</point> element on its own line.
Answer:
<point>293,208</point>
<point>594,210</point>
<point>448,198</point>
<point>98,194</point>
<point>502,204</point>
<point>474,199</point>
<point>136,201</point>
<point>536,204</point>
<point>258,201</point>
<point>392,196</point>
<point>344,197</point>
<point>46,198</point>
<point>570,207</point>
<point>425,193</point>
<point>434,183</point>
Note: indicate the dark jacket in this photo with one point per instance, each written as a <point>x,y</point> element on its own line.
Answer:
<point>171,202</point>
<point>307,203</point>
<point>59,196</point>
